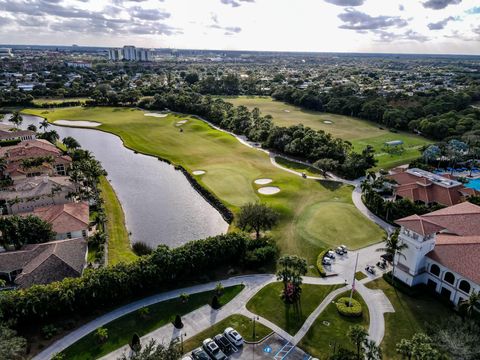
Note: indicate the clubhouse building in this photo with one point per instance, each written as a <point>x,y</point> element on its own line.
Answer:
<point>443,251</point>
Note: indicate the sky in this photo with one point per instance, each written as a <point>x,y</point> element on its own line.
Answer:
<point>391,26</point>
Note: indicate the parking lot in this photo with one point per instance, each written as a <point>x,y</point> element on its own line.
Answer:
<point>274,347</point>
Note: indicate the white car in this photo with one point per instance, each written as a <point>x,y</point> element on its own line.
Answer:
<point>344,248</point>
<point>233,336</point>
<point>327,261</point>
<point>330,254</point>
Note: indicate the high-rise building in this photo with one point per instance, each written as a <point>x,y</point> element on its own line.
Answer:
<point>129,53</point>
<point>115,54</point>
<point>5,53</point>
<point>144,55</point>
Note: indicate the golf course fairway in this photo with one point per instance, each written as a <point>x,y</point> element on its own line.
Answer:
<point>314,214</point>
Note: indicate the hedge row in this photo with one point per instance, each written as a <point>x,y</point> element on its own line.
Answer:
<point>355,310</point>
<point>113,285</point>
<point>320,257</point>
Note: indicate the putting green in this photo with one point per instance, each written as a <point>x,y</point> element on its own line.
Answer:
<point>359,132</point>
<point>231,170</point>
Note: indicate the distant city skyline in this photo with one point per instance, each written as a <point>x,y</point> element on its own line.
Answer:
<point>393,26</point>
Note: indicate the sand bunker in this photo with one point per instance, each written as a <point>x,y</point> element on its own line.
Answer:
<point>328,122</point>
<point>269,190</point>
<point>77,123</point>
<point>198,172</point>
<point>156,115</point>
<point>181,122</point>
<point>263,181</point>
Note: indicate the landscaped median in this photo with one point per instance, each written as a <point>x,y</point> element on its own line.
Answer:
<point>329,331</point>
<point>268,304</point>
<point>120,331</point>
<point>240,323</point>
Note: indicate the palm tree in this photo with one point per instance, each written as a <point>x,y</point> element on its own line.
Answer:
<point>44,125</point>
<point>404,348</point>
<point>372,350</point>
<point>471,304</point>
<point>357,335</point>
<point>16,119</point>
<point>393,247</point>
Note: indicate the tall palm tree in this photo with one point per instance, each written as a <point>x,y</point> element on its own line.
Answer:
<point>471,304</point>
<point>44,125</point>
<point>393,247</point>
<point>372,350</point>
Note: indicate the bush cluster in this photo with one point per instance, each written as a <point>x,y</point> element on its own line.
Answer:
<point>355,310</point>
<point>113,285</point>
<point>320,268</point>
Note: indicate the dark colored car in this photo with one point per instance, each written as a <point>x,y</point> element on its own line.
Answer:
<point>223,344</point>
<point>200,354</point>
<point>213,350</point>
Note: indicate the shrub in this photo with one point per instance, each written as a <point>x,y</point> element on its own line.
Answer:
<point>144,312</point>
<point>219,289</point>
<point>320,268</point>
<point>101,335</point>
<point>49,331</point>
<point>178,322</point>
<point>135,344</point>
<point>355,310</point>
<point>184,298</point>
<point>141,249</point>
<point>215,303</point>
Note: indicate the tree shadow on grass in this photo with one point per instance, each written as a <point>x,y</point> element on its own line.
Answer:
<point>330,184</point>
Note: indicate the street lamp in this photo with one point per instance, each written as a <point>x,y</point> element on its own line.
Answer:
<point>254,319</point>
<point>181,340</point>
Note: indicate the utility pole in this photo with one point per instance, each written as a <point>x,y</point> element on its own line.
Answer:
<point>353,281</point>
<point>253,351</point>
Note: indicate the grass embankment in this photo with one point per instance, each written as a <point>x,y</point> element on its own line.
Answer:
<point>121,330</point>
<point>299,167</point>
<point>323,339</point>
<point>359,132</point>
<point>240,323</point>
<point>411,315</point>
<point>268,304</point>
<point>313,213</point>
<point>119,249</point>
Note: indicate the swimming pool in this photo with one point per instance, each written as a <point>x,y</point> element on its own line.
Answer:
<point>474,184</point>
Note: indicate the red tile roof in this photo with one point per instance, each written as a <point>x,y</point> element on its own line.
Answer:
<point>65,217</point>
<point>419,225</point>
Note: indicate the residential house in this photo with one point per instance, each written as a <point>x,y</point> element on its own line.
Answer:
<point>423,186</point>
<point>70,220</point>
<point>443,251</point>
<point>27,194</point>
<point>16,155</point>
<point>44,263</point>
<point>22,135</point>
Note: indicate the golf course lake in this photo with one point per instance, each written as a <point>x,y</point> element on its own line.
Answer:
<point>160,205</point>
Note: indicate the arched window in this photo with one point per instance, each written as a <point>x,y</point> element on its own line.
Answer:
<point>449,277</point>
<point>464,286</point>
<point>434,269</point>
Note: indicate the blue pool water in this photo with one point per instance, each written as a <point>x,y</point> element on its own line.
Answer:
<point>474,184</point>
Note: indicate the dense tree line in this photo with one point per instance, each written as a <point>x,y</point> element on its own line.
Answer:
<point>14,98</point>
<point>298,141</point>
<point>436,114</point>
<point>21,230</point>
<point>106,287</point>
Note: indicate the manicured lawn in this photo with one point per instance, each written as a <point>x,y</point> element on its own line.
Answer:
<point>119,249</point>
<point>360,275</point>
<point>359,132</point>
<point>231,169</point>
<point>411,315</point>
<point>120,331</point>
<point>268,304</point>
<point>322,339</point>
<point>240,323</point>
<point>302,168</point>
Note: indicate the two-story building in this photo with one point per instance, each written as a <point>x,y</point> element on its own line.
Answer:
<point>443,251</point>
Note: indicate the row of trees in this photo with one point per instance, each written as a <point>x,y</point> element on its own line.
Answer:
<point>437,114</point>
<point>298,141</point>
<point>106,287</point>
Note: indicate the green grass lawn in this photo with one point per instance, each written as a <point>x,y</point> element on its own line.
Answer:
<point>302,168</point>
<point>240,323</point>
<point>313,213</point>
<point>121,330</point>
<point>321,339</point>
<point>359,132</point>
<point>119,249</point>
<point>360,275</point>
<point>411,315</point>
<point>268,304</point>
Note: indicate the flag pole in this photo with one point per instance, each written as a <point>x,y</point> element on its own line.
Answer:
<point>353,282</point>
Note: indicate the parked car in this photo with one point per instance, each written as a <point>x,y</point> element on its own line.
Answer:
<point>326,261</point>
<point>370,269</point>
<point>330,254</point>
<point>213,349</point>
<point>345,250</point>
<point>200,354</point>
<point>382,265</point>
<point>339,250</point>
<point>233,336</point>
<point>223,344</point>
